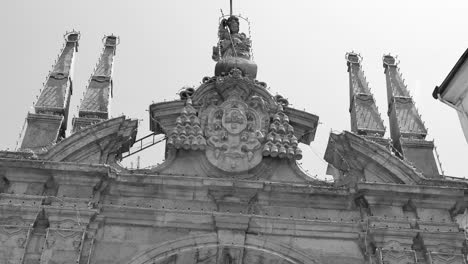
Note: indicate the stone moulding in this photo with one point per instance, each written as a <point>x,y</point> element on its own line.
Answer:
<point>190,182</point>
<point>162,251</point>
<point>53,165</point>
<point>211,220</point>
<point>99,143</point>
<point>348,151</point>
<point>283,170</point>
<point>164,114</point>
<point>305,124</point>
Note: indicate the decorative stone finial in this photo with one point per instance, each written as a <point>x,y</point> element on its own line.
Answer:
<point>111,40</point>
<point>72,36</point>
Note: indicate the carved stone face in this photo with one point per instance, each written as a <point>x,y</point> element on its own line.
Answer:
<point>233,25</point>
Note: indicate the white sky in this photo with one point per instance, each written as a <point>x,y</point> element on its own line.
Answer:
<point>299,47</point>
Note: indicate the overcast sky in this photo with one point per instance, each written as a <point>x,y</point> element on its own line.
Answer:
<point>299,46</point>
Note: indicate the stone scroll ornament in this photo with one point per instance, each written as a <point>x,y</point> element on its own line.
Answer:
<point>234,134</point>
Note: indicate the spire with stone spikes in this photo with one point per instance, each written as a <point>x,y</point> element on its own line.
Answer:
<point>407,130</point>
<point>49,122</point>
<point>95,105</point>
<point>365,117</point>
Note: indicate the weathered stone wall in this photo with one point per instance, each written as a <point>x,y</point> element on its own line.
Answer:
<point>56,212</point>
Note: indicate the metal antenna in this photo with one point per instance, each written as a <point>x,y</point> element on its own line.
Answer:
<point>230,9</point>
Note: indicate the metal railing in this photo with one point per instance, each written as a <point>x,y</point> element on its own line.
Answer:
<point>142,144</point>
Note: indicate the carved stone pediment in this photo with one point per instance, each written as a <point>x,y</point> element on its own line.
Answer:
<point>236,124</point>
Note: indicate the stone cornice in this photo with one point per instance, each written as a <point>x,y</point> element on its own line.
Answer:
<point>381,188</point>
<point>192,182</point>
<point>63,173</point>
<point>81,168</point>
<point>45,117</point>
<point>304,123</point>
<point>209,220</point>
<point>440,197</point>
<point>416,143</point>
<point>163,115</point>
<point>22,155</point>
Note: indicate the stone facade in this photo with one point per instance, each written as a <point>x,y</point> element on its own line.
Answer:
<point>230,189</point>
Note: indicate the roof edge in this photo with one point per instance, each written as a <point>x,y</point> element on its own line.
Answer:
<point>441,88</point>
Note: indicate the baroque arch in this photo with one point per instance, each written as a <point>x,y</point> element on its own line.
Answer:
<point>253,248</point>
